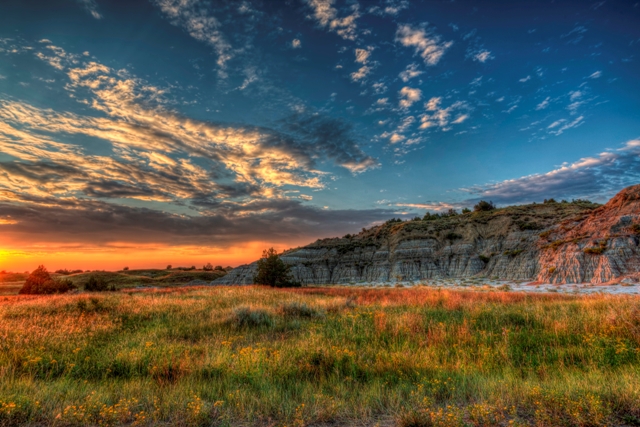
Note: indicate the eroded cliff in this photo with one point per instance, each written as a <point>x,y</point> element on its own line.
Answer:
<point>551,242</point>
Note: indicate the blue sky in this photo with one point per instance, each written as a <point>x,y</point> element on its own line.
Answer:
<point>210,124</point>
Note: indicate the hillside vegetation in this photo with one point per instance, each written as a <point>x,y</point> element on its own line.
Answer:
<point>11,283</point>
<point>319,356</point>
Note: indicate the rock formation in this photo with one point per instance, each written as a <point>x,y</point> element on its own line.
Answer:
<point>553,242</point>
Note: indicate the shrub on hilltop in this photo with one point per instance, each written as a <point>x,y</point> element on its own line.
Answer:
<point>40,282</point>
<point>483,206</point>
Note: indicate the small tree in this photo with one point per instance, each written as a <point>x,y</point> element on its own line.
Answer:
<point>169,267</point>
<point>466,210</point>
<point>208,267</point>
<point>482,206</point>
<point>272,271</point>
<point>40,282</point>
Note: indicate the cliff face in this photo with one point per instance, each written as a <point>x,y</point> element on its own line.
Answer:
<point>551,242</point>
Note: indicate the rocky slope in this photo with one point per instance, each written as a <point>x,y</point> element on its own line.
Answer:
<point>552,243</point>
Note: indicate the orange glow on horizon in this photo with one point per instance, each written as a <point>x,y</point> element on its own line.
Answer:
<point>117,256</point>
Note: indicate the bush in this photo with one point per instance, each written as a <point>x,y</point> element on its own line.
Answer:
<point>40,282</point>
<point>208,267</point>
<point>466,210</point>
<point>272,271</point>
<point>96,284</point>
<point>514,252</point>
<point>452,236</point>
<point>484,259</point>
<point>483,206</point>
<point>246,317</point>
<point>299,309</point>
<point>597,250</point>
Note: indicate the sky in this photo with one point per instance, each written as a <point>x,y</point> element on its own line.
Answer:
<point>153,132</point>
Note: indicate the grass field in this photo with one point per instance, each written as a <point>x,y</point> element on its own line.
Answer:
<point>319,356</point>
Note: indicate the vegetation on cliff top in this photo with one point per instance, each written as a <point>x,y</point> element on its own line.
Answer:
<point>532,217</point>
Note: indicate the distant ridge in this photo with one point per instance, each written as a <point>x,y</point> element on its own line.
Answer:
<point>553,242</point>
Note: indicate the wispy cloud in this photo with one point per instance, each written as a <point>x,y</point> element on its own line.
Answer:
<point>327,17</point>
<point>410,72</point>
<point>595,75</point>
<point>558,127</point>
<point>296,43</point>
<point>362,57</point>
<point>91,7</point>
<point>482,56</point>
<point>544,104</point>
<point>427,44</point>
<point>200,23</point>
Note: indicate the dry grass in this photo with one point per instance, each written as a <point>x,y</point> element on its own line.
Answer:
<point>256,356</point>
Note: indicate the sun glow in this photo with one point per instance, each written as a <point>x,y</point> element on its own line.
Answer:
<point>118,255</point>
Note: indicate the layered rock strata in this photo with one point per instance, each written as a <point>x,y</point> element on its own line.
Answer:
<point>553,242</point>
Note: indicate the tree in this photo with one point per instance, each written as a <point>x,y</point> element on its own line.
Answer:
<point>272,271</point>
<point>208,267</point>
<point>40,282</point>
<point>169,267</point>
<point>484,206</point>
<point>466,210</point>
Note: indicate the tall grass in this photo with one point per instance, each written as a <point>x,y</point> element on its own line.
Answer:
<point>257,356</point>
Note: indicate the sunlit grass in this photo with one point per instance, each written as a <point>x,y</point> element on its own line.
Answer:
<point>256,356</point>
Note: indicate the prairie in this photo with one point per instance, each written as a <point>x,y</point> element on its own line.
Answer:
<point>319,356</point>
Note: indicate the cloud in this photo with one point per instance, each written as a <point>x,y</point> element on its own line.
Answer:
<point>575,34</point>
<point>361,74</point>
<point>410,72</point>
<point>296,44</point>
<point>482,56</point>
<point>379,88</point>
<point>525,79</point>
<point>200,23</point>
<point>408,96</point>
<point>595,75</point>
<point>362,55</point>
<point>544,104</point>
<point>441,117</point>
<point>91,7</point>
<point>89,223</point>
<point>143,132</point>
<point>433,206</point>
<point>327,17</point>
<point>427,44</point>
<point>566,126</point>
<point>596,178</point>
<point>392,7</point>
<point>202,182</point>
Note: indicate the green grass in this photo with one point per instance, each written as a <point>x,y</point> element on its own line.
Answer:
<point>257,356</point>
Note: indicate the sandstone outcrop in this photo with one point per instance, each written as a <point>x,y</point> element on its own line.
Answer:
<point>554,242</point>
